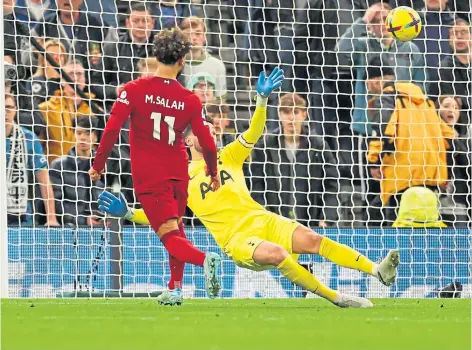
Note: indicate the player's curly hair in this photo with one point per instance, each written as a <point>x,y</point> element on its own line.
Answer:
<point>170,45</point>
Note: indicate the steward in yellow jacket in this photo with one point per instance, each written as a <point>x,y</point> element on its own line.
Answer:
<point>61,109</point>
<point>59,112</point>
<point>409,140</point>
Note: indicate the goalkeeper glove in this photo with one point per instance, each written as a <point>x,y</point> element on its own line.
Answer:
<point>114,206</point>
<point>265,85</point>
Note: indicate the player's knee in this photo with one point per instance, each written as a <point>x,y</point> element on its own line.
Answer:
<point>306,241</point>
<point>314,242</point>
<point>168,226</point>
<point>276,254</point>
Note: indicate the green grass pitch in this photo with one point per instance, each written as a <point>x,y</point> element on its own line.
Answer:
<point>138,324</point>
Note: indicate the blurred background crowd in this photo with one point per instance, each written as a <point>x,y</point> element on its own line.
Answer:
<point>360,119</point>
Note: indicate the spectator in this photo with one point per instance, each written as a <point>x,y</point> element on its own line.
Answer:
<point>265,51</point>
<point>294,173</point>
<point>46,80</point>
<point>106,9</point>
<point>455,197</point>
<point>34,12</point>
<point>170,13</point>
<point>409,141</point>
<point>76,197</point>
<point>455,76</point>
<point>219,115</point>
<point>25,161</point>
<point>120,59</point>
<point>81,33</point>
<point>418,208</point>
<point>433,39</point>
<point>147,67</point>
<point>60,111</point>
<point>200,60</point>
<point>12,41</point>
<point>367,38</point>
<point>203,85</point>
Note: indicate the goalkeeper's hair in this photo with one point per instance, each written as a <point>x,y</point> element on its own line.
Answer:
<point>170,46</point>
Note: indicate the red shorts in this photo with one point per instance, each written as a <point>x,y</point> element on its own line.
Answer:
<point>168,201</point>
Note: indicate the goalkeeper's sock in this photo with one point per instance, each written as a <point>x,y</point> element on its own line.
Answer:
<point>301,277</point>
<point>182,249</point>
<point>177,267</point>
<point>345,256</point>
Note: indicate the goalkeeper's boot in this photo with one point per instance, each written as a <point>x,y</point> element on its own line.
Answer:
<point>343,300</point>
<point>211,266</point>
<point>170,297</point>
<point>386,270</point>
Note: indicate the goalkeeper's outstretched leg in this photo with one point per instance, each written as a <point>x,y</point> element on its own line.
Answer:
<point>305,241</point>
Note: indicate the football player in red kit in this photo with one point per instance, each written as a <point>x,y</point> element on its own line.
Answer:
<point>160,110</point>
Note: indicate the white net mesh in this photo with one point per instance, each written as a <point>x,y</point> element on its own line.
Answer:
<point>341,148</point>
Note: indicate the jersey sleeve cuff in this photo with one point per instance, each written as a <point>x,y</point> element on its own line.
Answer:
<point>244,142</point>
<point>261,101</point>
<point>129,215</point>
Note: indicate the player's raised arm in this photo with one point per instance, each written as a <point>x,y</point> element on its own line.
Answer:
<point>207,142</point>
<point>120,112</point>
<point>241,148</point>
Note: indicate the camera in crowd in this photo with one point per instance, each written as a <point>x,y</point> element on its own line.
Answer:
<point>10,75</point>
<point>10,71</point>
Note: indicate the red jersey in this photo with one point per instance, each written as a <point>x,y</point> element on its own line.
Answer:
<point>160,111</point>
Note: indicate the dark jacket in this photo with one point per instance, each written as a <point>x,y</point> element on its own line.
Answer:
<point>89,36</point>
<point>12,40</point>
<point>316,30</point>
<point>456,79</point>
<point>120,62</point>
<point>23,13</point>
<point>433,40</point>
<point>304,190</point>
<point>88,33</point>
<point>459,170</point>
<point>268,17</point>
<point>42,89</point>
<point>356,48</point>
<point>167,17</point>
<point>75,196</point>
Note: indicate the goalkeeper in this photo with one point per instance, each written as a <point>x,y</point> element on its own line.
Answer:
<point>251,236</point>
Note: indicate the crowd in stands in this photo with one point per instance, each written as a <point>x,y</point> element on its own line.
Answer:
<point>360,119</point>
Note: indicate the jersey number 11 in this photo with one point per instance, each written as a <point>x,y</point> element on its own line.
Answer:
<point>170,121</point>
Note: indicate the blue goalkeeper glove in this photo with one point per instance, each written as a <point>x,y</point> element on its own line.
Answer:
<point>265,85</point>
<point>112,205</point>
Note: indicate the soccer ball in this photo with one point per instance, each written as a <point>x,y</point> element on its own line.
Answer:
<point>403,23</point>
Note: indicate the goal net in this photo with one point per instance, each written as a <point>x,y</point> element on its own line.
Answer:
<point>368,141</point>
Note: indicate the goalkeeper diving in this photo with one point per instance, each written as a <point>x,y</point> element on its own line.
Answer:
<point>251,236</point>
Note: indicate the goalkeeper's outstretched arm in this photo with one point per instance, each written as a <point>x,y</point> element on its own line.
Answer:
<point>265,85</point>
<point>112,205</point>
<point>258,121</point>
<point>137,216</point>
<point>239,151</point>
